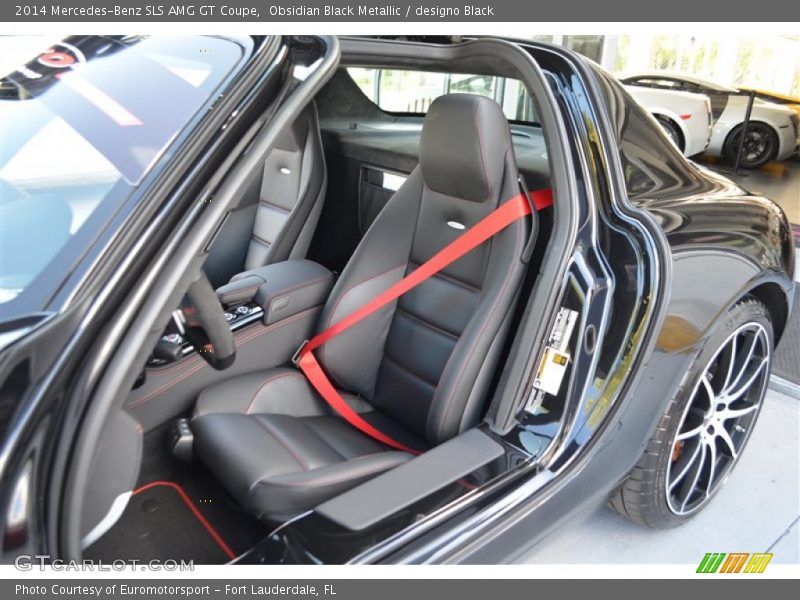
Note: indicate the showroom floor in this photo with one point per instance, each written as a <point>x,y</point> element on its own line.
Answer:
<point>758,510</point>
<point>779,181</point>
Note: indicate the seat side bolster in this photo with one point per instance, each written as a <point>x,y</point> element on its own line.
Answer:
<point>290,493</point>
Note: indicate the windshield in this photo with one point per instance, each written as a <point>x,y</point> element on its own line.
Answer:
<point>81,124</point>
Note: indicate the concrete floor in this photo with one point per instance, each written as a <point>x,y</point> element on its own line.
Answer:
<point>758,509</point>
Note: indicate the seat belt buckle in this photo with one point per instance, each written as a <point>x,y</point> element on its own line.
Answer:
<point>298,354</point>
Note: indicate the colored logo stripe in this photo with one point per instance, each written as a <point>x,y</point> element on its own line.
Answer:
<point>714,562</point>
<point>734,562</point>
<point>758,563</point>
<point>711,562</point>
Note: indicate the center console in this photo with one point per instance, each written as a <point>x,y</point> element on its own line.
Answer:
<point>280,290</point>
<point>271,310</point>
<point>173,346</point>
<point>268,294</point>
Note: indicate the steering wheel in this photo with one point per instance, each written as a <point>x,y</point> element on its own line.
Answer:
<point>205,327</point>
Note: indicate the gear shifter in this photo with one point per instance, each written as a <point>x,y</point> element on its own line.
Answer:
<point>167,351</point>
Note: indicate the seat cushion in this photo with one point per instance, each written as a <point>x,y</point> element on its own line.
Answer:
<point>278,448</point>
<point>283,391</point>
<point>277,466</point>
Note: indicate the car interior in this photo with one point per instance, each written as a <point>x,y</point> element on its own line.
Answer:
<point>357,194</point>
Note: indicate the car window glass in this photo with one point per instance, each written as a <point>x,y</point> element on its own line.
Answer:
<point>411,92</point>
<point>661,83</point>
<point>689,86</point>
<point>82,124</point>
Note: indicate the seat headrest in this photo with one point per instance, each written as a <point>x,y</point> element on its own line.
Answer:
<point>463,148</point>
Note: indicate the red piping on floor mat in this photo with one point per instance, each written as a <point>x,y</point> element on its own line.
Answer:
<point>188,502</point>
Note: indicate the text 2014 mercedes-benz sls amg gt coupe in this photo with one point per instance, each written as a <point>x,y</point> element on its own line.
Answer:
<point>308,299</point>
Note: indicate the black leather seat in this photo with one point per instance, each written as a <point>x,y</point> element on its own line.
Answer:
<point>419,369</point>
<point>279,211</point>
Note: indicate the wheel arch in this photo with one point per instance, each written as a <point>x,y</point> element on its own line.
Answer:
<point>722,279</point>
<point>679,127</point>
<point>774,299</point>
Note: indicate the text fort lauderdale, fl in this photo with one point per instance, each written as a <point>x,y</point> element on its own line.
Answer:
<point>384,10</point>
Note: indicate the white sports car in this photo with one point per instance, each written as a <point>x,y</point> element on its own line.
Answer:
<point>773,132</point>
<point>686,117</point>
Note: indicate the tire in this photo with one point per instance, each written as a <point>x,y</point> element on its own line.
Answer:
<point>653,493</point>
<point>761,145</point>
<point>672,131</point>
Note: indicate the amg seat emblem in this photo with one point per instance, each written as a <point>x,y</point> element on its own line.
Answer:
<point>285,171</point>
<point>456,225</point>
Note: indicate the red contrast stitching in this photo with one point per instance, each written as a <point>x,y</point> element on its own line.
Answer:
<point>197,363</point>
<point>186,500</point>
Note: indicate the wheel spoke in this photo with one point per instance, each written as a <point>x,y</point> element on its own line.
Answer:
<point>723,434</point>
<point>689,434</point>
<point>731,363</point>
<point>712,450</point>
<point>728,387</point>
<point>735,413</point>
<point>692,459</point>
<point>709,389</point>
<point>735,395</point>
<point>696,478</point>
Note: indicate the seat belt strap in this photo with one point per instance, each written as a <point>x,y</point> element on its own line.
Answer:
<point>516,208</point>
<point>311,368</point>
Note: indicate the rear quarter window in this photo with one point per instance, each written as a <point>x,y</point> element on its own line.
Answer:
<point>401,91</point>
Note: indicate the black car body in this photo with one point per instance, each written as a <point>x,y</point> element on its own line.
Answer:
<point>649,251</point>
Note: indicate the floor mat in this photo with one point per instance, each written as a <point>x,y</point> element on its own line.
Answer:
<point>171,529</point>
<point>162,522</point>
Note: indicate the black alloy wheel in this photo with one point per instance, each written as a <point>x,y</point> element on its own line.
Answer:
<point>760,145</point>
<point>701,436</point>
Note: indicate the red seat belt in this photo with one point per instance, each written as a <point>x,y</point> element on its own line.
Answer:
<point>508,212</point>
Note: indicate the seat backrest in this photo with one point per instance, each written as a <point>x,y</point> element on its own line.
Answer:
<point>278,210</point>
<point>292,190</point>
<point>427,359</point>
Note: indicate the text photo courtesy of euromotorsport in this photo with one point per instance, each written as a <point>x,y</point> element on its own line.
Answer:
<point>185,591</point>
<point>255,11</point>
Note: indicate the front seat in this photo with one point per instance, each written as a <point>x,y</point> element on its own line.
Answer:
<point>279,210</point>
<point>418,369</point>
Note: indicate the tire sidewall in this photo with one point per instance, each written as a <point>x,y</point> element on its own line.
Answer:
<point>731,149</point>
<point>672,131</point>
<point>745,312</point>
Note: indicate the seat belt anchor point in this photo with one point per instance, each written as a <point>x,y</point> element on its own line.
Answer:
<point>299,354</point>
